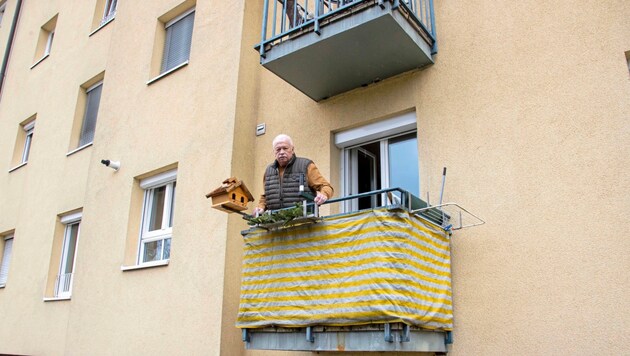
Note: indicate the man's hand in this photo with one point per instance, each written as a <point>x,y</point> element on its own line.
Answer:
<point>257,211</point>
<point>320,198</point>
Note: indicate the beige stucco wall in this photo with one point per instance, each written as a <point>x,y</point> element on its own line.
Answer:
<point>185,120</point>
<point>527,105</point>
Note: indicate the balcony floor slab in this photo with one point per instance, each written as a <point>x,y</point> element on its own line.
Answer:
<point>351,52</point>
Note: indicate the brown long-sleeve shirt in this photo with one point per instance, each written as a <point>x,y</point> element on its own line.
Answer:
<point>316,182</point>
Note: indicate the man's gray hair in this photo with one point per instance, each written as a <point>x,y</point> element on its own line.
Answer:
<point>281,137</point>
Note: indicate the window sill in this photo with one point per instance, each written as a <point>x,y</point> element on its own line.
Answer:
<point>2,285</point>
<point>145,265</point>
<point>167,73</point>
<point>79,149</point>
<point>105,23</point>
<point>47,299</point>
<point>39,61</point>
<point>18,166</point>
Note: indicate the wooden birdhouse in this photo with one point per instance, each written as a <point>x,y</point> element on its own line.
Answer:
<point>231,196</point>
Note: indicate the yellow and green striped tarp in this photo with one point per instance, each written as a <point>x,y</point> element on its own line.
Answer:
<point>375,266</point>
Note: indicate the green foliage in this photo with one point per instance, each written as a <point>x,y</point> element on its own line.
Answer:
<point>284,216</point>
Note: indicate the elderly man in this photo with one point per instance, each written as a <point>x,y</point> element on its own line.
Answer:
<point>283,177</point>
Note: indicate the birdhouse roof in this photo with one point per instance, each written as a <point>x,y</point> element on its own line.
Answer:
<point>230,185</point>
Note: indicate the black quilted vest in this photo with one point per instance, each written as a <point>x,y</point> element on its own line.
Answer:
<point>285,195</point>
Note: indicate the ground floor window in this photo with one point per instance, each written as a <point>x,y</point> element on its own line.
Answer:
<point>157,217</point>
<point>63,282</point>
<point>6,259</point>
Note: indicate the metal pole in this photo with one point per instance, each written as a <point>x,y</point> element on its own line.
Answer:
<point>443,183</point>
<point>442,194</point>
<point>7,51</point>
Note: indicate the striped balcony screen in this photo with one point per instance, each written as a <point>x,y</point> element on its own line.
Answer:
<point>375,266</point>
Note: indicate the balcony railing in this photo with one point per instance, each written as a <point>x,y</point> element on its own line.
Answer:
<point>326,47</point>
<point>287,17</point>
<point>376,279</point>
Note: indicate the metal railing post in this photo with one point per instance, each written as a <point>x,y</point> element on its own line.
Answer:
<point>318,4</point>
<point>434,49</point>
<point>264,28</point>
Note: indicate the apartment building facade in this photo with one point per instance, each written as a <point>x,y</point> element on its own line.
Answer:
<point>117,117</point>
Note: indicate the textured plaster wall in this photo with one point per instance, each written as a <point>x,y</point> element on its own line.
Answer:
<point>527,105</point>
<point>186,119</point>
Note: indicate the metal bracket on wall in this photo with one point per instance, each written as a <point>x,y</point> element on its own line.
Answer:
<point>309,334</point>
<point>405,336</point>
<point>388,333</point>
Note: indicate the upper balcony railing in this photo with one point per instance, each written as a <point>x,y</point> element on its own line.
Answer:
<point>325,47</point>
<point>287,17</point>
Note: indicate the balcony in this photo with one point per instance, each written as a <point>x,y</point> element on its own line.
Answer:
<point>327,47</point>
<point>377,279</point>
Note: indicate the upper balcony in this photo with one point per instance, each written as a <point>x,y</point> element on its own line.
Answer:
<point>327,47</point>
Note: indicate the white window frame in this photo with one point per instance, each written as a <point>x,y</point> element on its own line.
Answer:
<point>69,221</point>
<point>49,41</point>
<point>168,180</point>
<point>85,113</point>
<point>6,260</point>
<point>380,131</point>
<point>29,129</point>
<point>110,11</point>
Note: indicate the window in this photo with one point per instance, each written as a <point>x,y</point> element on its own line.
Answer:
<point>45,42</point>
<point>6,259</point>
<point>91,112</point>
<point>178,40</point>
<point>86,114</point>
<point>23,143</point>
<point>104,13</point>
<point>63,281</point>
<point>49,41</point>
<point>110,11</point>
<point>157,217</point>
<point>378,156</point>
<point>28,140</point>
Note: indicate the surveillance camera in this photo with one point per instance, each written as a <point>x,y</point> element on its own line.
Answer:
<point>115,165</point>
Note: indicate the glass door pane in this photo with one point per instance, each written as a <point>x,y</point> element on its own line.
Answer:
<point>403,163</point>
<point>366,177</point>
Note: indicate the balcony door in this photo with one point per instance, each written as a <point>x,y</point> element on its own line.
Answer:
<point>378,156</point>
<point>365,163</point>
